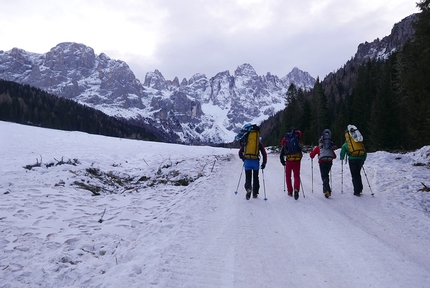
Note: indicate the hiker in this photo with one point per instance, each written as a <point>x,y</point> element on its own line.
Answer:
<point>291,149</point>
<point>250,149</point>
<point>354,149</point>
<point>325,151</point>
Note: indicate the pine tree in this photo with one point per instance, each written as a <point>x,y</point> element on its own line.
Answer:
<point>319,112</point>
<point>340,123</point>
<point>363,95</point>
<point>291,94</point>
<point>414,74</point>
<point>290,112</point>
<point>384,132</point>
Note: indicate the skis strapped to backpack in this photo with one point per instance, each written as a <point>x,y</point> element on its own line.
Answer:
<point>249,139</point>
<point>354,139</point>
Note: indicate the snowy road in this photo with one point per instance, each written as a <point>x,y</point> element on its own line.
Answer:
<point>343,241</point>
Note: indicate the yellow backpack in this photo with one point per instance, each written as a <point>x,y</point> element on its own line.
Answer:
<point>251,148</point>
<point>354,139</point>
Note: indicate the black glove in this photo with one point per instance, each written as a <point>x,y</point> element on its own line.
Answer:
<point>263,166</point>
<point>283,162</point>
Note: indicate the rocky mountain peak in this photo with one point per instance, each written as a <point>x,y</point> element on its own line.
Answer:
<point>245,70</point>
<point>197,78</point>
<point>77,57</point>
<point>298,76</point>
<point>381,48</point>
<point>155,80</point>
<point>197,110</point>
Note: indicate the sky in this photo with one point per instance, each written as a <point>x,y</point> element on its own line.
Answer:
<point>182,38</point>
<point>169,219</point>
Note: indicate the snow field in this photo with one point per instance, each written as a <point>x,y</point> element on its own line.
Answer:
<point>167,216</point>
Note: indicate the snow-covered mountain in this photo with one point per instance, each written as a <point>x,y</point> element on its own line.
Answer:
<point>197,110</point>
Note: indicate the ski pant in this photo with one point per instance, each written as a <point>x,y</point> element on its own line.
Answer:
<point>355,166</point>
<point>292,167</point>
<point>251,175</point>
<point>325,167</point>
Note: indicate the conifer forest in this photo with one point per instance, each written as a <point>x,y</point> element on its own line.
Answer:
<point>389,103</point>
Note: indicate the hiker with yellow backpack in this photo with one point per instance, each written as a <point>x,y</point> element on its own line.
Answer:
<point>354,149</point>
<point>249,152</point>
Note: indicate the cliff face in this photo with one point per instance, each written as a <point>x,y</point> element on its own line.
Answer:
<point>341,82</point>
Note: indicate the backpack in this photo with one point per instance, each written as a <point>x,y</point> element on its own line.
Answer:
<point>326,146</point>
<point>354,140</point>
<point>249,139</point>
<point>291,143</point>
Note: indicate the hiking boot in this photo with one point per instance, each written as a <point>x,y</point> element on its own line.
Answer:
<point>290,194</point>
<point>296,194</point>
<point>327,194</point>
<point>357,194</point>
<point>248,194</point>
<point>254,195</point>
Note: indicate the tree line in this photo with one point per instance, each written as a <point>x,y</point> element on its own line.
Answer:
<point>32,106</point>
<point>389,101</point>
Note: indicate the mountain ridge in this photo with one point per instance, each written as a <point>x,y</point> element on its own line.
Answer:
<point>189,111</point>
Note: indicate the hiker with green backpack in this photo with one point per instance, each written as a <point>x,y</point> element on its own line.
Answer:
<point>249,152</point>
<point>354,149</point>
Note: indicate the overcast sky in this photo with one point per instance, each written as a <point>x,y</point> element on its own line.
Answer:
<point>184,37</point>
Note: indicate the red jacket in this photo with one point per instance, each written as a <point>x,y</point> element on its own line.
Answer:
<point>317,151</point>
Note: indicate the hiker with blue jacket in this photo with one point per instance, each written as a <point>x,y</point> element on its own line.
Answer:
<point>251,171</point>
<point>250,149</point>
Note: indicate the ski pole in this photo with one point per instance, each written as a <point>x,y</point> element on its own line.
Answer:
<point>312,169</point>
<point>264,185</point>
<point>341,189</point>
<point>285,177</point>
<point>243,168</point>
<point>331,179</point>
<point>303,190</point>
<point>371,192</point>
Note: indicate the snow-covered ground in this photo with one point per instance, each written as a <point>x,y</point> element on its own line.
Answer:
<point>167,216</point>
